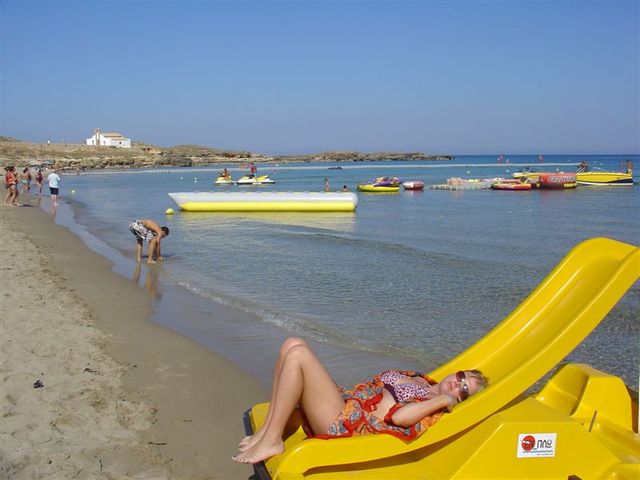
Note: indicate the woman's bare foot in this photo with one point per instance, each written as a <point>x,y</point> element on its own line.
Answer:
<point>259,452</point>
<point>249,441</point>
<point>245,441</point>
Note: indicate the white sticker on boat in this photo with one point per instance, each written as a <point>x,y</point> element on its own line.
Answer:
<point>536,445</point>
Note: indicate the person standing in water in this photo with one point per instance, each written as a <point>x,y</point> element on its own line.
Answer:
<point>53,179</point>
<point>148,230</point>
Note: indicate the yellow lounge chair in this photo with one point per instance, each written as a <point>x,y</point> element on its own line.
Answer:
<point>581,423</point>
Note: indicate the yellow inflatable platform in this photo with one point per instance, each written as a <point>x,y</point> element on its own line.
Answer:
<point>583,424</point>
<point>265,201</point>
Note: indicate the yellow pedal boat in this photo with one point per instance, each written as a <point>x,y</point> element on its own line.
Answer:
<point>381,184</point>
<point>581,424</point>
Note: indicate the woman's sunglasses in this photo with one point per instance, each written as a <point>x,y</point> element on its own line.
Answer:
<point>464,390</point>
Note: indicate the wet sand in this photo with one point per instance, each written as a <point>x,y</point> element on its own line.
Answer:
<point>121,397</point>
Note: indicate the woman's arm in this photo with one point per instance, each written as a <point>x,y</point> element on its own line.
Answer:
<point>412,413</point>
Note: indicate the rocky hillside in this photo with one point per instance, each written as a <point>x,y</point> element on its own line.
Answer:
<point>361,157</point>
<point>78,156</point>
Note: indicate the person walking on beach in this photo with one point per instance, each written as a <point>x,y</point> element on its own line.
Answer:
<point>53,179</point>
<point>25,180</point>
<point>146,229</point>
<point>327,187</point>
<point>39,181</point>
<point>10,183</point>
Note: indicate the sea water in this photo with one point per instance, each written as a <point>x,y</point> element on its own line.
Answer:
<point>407,281</point>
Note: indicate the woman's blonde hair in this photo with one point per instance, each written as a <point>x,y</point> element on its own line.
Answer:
<point>481,380</point>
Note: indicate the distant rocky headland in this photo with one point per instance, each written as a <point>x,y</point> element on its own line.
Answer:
<point>140,155</point>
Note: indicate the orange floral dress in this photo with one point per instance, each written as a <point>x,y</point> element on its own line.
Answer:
<point>356,417</point>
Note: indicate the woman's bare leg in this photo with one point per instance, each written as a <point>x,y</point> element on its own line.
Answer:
<point>248,441</point>
<point>302,380</point>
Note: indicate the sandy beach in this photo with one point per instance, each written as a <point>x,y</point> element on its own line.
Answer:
<point>91,388</point>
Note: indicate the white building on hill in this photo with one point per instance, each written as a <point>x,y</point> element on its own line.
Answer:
<point>109,140</point>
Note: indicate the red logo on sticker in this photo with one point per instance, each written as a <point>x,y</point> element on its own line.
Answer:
<point>528,442</point>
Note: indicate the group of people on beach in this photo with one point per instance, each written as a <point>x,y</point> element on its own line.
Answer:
<point>20,183</point>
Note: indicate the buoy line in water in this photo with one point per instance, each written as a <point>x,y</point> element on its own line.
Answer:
<point>272,168</point>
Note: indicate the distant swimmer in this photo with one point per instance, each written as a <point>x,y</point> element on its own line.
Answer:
<point>327,187</point>
<point>146,229</point>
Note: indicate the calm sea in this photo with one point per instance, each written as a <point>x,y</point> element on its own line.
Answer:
<point>408,280</point>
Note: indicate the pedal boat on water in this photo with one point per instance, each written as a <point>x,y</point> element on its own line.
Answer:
<point>381,184</point>
<point>265,201</point>
<point>255,180</point>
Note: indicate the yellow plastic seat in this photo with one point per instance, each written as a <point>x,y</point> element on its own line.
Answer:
<point>567,305</point>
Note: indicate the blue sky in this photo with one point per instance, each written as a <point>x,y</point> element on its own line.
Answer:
<point>284,77</point>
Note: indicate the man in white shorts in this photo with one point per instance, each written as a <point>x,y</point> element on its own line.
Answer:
<point>146,229</point>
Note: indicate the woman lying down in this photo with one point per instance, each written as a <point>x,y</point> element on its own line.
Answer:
<point>399,403</point>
